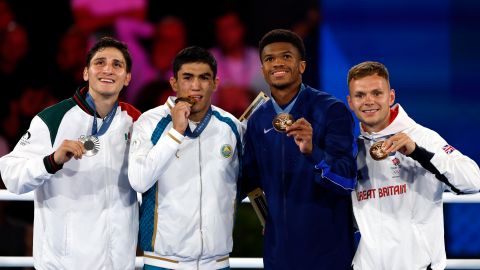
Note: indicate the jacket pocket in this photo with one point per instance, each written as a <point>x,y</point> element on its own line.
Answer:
<point>423,251</point>
<point>58,233</point>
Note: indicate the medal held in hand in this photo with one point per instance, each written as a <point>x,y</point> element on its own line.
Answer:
<point>91,144</point>
<point>282,121</point>
<point>376,151</point>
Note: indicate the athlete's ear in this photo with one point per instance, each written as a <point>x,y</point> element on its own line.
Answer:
<point>85,74</point>
<point>216,81</point>
<point>303,65</point>
<point>391,97</point>
<point>349,100</point>
<point>173,83</point>
<point>127,80</point>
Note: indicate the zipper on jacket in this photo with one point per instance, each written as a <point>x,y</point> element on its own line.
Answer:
<point>373,180</point>
<point>200,202</point>
<point>284,191</point>
<point>107,204</point>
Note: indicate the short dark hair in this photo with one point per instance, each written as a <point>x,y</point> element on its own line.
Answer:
<point>109,42</point>
<point>194,54</point>
<point>282,35</point>
<point>367,68</point>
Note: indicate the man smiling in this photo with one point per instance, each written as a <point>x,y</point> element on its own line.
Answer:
<point>305,165</point>
<point>73,158</point>
<point>398,199</point>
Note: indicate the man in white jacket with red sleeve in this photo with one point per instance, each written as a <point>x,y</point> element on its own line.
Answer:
<point>403,170</point>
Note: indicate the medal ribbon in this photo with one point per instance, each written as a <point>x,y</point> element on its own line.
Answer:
<point>106,121</point>
<point>201,126</point>
<point>277,107</point>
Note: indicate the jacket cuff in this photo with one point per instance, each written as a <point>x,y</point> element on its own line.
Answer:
<point>50,165</point>
<point>330,180</point>
<point>315,156</point>
<point>175,135</point>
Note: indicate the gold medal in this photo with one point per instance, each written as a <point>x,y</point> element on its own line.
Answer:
<point>376,151</point>
<point>282,121</point>
<point>91,145</point>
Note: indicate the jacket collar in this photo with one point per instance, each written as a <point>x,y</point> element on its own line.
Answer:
<point>79,98</point>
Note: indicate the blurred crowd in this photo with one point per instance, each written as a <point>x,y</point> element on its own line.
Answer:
<point>29,84</point>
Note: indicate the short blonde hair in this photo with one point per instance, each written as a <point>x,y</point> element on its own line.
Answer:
<point>365,69</point>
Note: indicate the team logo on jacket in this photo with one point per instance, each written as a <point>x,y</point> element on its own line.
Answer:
<point>128,136</point>
<point>226,150</point>
<point>25,138</point>
<point>448,149</point>
<point>395,168</point>
<point>396,161</point>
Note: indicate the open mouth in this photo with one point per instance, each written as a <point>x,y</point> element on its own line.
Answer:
<point>279,73</point>
<point>370,111</point>
<point>107,80</point>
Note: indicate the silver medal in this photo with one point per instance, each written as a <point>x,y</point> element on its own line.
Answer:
<point>91,145</point>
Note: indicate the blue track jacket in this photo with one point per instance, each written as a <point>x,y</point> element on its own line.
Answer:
<point>309,225</point>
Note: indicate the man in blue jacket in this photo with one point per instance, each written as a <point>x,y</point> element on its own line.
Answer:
<point>299,148</point>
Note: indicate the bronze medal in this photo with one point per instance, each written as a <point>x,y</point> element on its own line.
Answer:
<point>91,145</point>
<point>282,121</point>
<point>376,151</point>
<point>189,100</point>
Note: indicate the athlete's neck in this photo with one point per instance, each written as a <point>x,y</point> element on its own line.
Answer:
<point>103,104</point>
<point>199,115</point>
<point>284,96</point>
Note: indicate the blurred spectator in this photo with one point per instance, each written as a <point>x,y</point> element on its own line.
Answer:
<point>96,18</point>
<point>70,62</point>
<point>13,65</point>
<point>14,48</point>
<point>166,39</point>
<point>302,17</point>
<point>6,15</point>
<point>15,235</point>
<point>308,29</point>
<point>238,66</point>
<point>154,94</point>
<point>34,98</point>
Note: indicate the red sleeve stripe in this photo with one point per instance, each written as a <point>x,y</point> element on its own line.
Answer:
<point>50,165</point>
<point>132,111</point>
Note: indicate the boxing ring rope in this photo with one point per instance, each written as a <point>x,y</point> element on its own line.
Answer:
<point>240,262</point>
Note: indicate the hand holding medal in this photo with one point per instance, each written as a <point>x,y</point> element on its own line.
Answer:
<point>180,113</point>
<point>67,150</point>
<point>302,132</point>
<point>400,142</point>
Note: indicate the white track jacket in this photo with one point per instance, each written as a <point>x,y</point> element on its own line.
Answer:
<point>398,202</point>
<point>86,213</point>
<point>188,187</point>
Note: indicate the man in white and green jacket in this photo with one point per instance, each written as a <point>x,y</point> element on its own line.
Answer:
<point>86,213</point>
